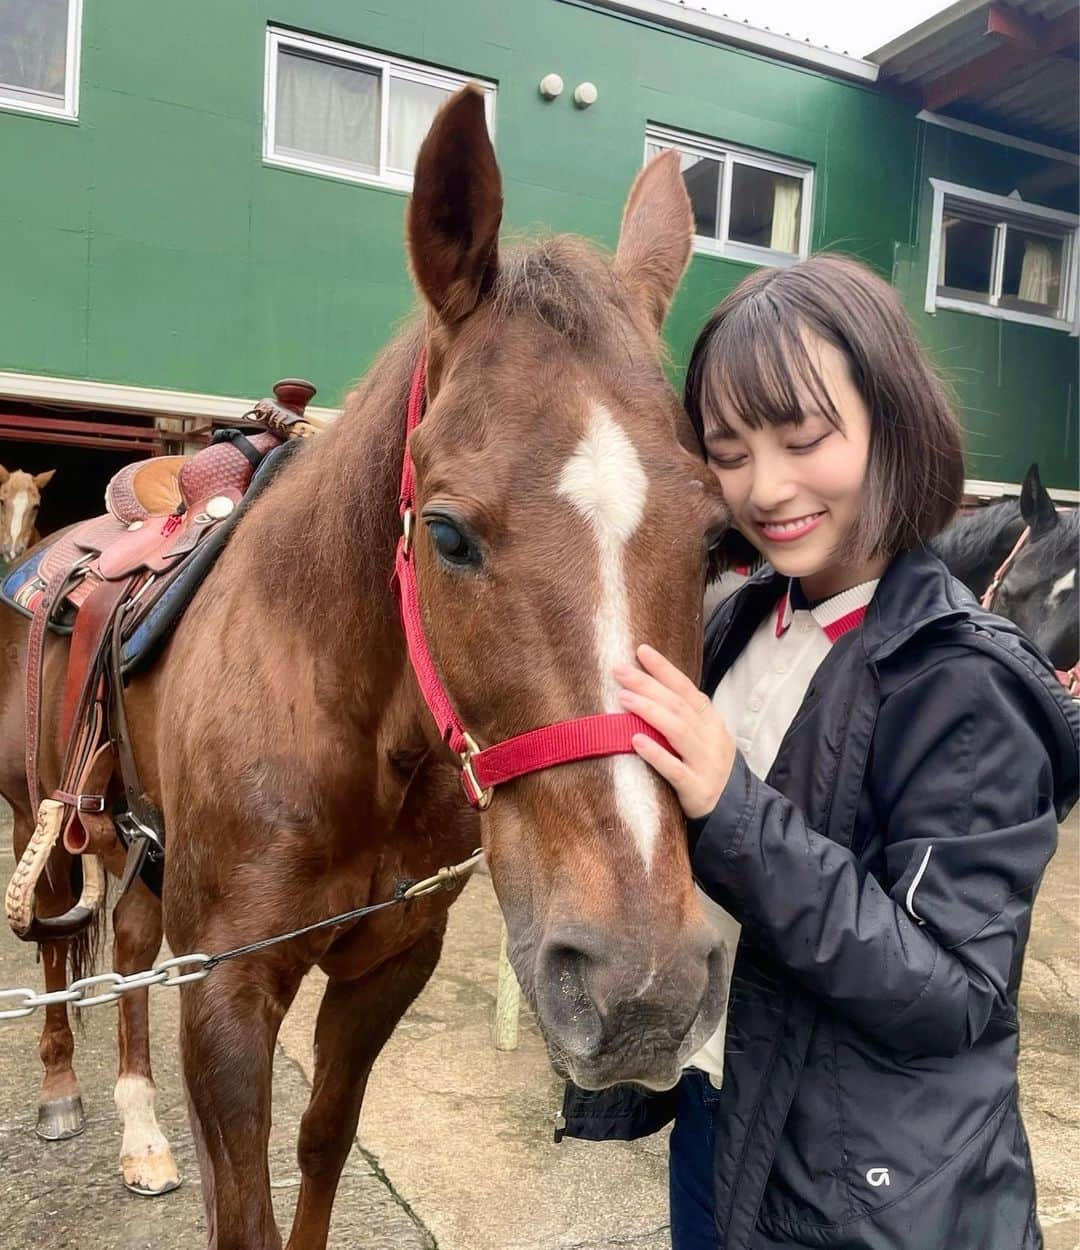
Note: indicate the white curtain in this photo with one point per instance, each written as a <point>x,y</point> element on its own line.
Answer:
<point>328,110</point>
<point>1036,272</point>
<point>412,109</point>
<point>787,193</point>
<point>33,45</point>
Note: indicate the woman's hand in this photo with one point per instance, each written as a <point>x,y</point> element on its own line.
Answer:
<point>672,704</point>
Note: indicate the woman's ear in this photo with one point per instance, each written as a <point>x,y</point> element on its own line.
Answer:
<point>656,235</point>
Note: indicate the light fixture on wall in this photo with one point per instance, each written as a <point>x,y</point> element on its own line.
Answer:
<point>585,93</point>
<point>551,85</point>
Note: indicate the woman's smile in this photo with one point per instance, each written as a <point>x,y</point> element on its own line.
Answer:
<point>791,530</point>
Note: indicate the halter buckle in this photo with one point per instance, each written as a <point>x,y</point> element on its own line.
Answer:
<point>474,791</point>
<point>407,532</point>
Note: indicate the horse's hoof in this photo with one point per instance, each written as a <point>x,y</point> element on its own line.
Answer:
<point>150,1176</point>
<point>60,1118</point>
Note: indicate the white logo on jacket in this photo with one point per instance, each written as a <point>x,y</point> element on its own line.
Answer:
<point>878,1177</point>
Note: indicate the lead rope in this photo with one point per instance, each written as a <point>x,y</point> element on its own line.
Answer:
<point>168,972</point>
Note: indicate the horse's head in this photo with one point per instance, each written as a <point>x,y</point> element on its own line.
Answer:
<point>1040,590</point>
<point>562,520</point>
<point>20,498</point>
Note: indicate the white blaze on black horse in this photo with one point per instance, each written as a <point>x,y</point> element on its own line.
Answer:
<point>1038,587</point>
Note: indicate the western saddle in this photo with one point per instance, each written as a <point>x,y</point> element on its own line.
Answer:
<point>118,584</point>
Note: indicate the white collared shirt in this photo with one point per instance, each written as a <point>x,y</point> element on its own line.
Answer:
<point>758,698</point>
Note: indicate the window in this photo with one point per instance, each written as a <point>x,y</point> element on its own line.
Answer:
<point>39,56</point>
<point>747,206</point>
<point>999,257</point>
<point>338,110</point>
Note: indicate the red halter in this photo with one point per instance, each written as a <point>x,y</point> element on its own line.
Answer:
<point>588,737</point>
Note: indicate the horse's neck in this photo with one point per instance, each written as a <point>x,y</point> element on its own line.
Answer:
<point>329,526</point>
<point>973,546</point>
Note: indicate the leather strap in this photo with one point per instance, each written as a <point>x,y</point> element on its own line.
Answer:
<point>35,660</point>
<point>145,816</point>
<point>88,641</point>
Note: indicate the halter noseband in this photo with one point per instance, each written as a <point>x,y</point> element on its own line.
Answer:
<point>587,737</point>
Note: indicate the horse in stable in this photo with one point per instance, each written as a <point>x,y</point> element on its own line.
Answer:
<point>284,698</point>
<point>20,500</point>
<point>1022,557</point>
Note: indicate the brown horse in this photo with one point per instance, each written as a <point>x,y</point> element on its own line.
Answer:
<point>20,499</point>
<point>284,736</point>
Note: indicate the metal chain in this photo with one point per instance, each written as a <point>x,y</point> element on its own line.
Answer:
<point>168,971</point>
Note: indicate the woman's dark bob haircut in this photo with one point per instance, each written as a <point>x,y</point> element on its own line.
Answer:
<point>751,361</point>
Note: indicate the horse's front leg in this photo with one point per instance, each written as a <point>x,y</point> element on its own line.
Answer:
<point>228,1026</point>
<point>60,1110</point>
<point>355,1021</point>
<point>145,1158</point>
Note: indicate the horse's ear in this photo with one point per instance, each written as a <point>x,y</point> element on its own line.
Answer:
<point>656,234</point>
<point>41,480</point>
<point>455,209</point>
<point>1036,506</point>
<point>4,475</point>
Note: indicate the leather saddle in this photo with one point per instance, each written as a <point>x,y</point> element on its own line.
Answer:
<point>118,584</point>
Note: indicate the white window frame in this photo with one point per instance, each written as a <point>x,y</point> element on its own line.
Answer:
<point>23,101</point>
<point>731,155</point>
<point>387,67</point>
<point>1009,212</point>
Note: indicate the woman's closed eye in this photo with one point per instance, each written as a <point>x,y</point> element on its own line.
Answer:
<point>810,444</point>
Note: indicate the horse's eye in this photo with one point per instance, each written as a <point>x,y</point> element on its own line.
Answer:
<point>451,543</point>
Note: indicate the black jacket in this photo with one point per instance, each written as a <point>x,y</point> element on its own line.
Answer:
<point>884,876</point>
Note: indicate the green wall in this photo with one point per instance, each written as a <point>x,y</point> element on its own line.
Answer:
<point>148,244</point>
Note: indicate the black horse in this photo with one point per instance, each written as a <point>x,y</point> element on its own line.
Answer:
<point>1040,592</point>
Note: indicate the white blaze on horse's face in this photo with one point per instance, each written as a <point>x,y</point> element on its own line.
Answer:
<point>1061,588</point>
<point>605,482</point>
<point>18,508</point>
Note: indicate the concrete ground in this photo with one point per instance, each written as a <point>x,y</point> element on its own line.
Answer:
<point>455,1150</point>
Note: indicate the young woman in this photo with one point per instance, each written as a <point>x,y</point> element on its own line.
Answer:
<point>873,778</point>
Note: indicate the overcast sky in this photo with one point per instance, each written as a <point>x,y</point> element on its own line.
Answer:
<point>855,26</point>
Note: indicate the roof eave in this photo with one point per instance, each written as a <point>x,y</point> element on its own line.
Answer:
<point>742,35</point>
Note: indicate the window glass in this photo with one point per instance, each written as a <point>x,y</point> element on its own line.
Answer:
<point>33,47</point>
<point>766,208</point>
<point>1031,281</point>
<point>966,258</point>
<point>328,110</point>
<point>701,174</point>
<point>413,106</point>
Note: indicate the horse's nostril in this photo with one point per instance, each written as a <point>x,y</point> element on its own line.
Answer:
<point>563,996</point>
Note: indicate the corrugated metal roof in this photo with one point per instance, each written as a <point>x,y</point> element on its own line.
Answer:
<point>1038,93</point>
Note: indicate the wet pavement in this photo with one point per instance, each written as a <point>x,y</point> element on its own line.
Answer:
<point>454,1149</point>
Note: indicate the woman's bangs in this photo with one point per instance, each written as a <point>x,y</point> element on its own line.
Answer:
<point>759,372</point>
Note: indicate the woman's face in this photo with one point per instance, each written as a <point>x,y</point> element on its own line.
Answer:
<point>794,490</point>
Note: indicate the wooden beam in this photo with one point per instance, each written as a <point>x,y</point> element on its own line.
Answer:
<point>1012,26</point>
<point>966,80</point>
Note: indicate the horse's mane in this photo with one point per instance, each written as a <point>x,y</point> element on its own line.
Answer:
<point>970,540</point>
<point>562,281</point>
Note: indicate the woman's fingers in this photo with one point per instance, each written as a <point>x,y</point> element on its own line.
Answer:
<point>670,767</point>
<point>667,674</point>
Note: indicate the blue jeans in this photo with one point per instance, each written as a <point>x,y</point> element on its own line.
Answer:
<point>690,1164</point>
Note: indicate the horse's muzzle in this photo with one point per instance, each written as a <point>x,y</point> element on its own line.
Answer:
<point>614,1010</point>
